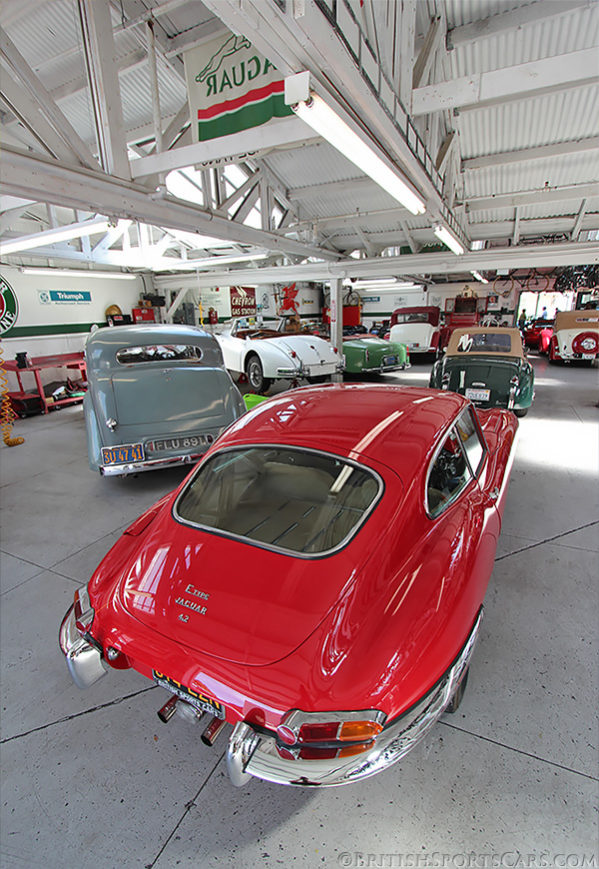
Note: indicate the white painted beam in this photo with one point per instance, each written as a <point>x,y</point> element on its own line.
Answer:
<point>424,61</point>
<point>28,175</point>
<point>543,152</point>
<point>509,83</point>
<point>578,222</point>
<point>281,132</point>
<point>41,96</point>
<point>405,59</point>
<point>102,72</point>
<point>445,150</point>
<point>513,20</point>
<point>28,112</point>
<point>523,256</point>
<point>532,197</point>
<point>516,233</point>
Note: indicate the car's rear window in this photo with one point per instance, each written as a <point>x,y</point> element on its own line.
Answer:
<point>421,317</point>
<point>297,500</point>
<point>159,353</point>
<point>477,342</point>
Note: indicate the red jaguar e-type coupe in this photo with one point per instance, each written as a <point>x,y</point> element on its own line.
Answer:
<point>317,581</point>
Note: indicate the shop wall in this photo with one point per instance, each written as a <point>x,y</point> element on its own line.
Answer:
<point>503,309</point>
<point>45,324</point>
<point>378,305</point>
<point>268,298</point>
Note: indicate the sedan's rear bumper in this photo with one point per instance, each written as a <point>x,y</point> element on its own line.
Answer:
<point>254,754</point>
<point>149,465</point>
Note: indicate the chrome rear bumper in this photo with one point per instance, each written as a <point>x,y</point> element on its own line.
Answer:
<point>148,465</point>
<point>85,663</point>
<point>253,754</point>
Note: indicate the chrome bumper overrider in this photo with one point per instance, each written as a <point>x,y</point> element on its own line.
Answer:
<point>85,663</point>
<point>253,754</point>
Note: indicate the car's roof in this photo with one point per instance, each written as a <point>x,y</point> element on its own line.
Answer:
<point>394,425</point>
<point>576,320</point>
<point>516,350</point>
<point>142,333</point>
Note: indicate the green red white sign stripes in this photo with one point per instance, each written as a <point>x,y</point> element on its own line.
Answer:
<point>231,87</point>
<point>9,306</point>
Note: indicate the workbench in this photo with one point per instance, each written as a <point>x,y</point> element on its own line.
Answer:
<point>37,364</point>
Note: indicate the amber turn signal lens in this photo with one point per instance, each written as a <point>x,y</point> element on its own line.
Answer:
<point>354,730</point>
<point>354,749</point>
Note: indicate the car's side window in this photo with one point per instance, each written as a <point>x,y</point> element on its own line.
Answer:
<point>448,475</point>
<point>471,440</point>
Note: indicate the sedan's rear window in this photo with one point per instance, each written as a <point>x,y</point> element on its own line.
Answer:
<point>296,500</point>
<point>159,353</point>
<point>477,342</point>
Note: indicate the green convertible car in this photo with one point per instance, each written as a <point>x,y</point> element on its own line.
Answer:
<point>367,354</point>
<point>488,366</point>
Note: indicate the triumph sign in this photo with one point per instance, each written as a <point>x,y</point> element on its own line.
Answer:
<point>231,87</point>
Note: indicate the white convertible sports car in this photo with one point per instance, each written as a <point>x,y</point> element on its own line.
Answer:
<point>268,352</point>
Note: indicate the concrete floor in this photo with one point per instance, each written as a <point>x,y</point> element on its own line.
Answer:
<point>93,778</point>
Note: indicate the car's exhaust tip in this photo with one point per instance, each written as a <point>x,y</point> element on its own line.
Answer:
<point>211,732</point>
<point>166,712</point>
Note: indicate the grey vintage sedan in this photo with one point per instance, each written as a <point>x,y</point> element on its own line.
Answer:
<point>158,395</point>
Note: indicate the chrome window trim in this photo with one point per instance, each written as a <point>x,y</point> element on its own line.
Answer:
<point>308,556</point>
<point>127,349</point>
<point>438,448</point>
<point>476,474</point>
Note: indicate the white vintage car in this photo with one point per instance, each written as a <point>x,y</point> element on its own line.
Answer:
<point>418,328</point>
<point>266,352</point>
<point>575,336</point>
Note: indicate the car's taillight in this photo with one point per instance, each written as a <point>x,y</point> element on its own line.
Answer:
<point>293,354</point>
<point>313,735</point>
<point>367,354</point>
<point>84,612</point>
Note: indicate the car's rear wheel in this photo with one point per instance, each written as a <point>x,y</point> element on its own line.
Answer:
<point>455,701</point>
<point>521,411</point>
<point>255,374</point>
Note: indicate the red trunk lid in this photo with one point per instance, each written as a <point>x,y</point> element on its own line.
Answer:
<point>230,599</point>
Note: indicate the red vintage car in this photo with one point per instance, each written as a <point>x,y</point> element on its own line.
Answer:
<point>317,581</point>
<point>537,335</point>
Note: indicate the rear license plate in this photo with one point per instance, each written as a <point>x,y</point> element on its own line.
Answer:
<point>413,345</point>
<point>200,701</point>
<point>389,360</point>
<point>188,443</point>
<point>123,454</point>
<point>478,394</point>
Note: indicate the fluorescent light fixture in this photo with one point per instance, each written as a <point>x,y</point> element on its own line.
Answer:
<point>55,235</point>
<point>449,239</point>
<point>77,273</point>
<point>479,277</point>
<point>213,261</point>
<point>373,282</point>
<point>328,124</point>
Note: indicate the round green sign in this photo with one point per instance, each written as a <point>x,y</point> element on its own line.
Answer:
<point>9,306</point>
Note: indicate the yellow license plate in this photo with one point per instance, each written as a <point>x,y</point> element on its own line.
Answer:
<point>123,454</point>
<point>196,698</point>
